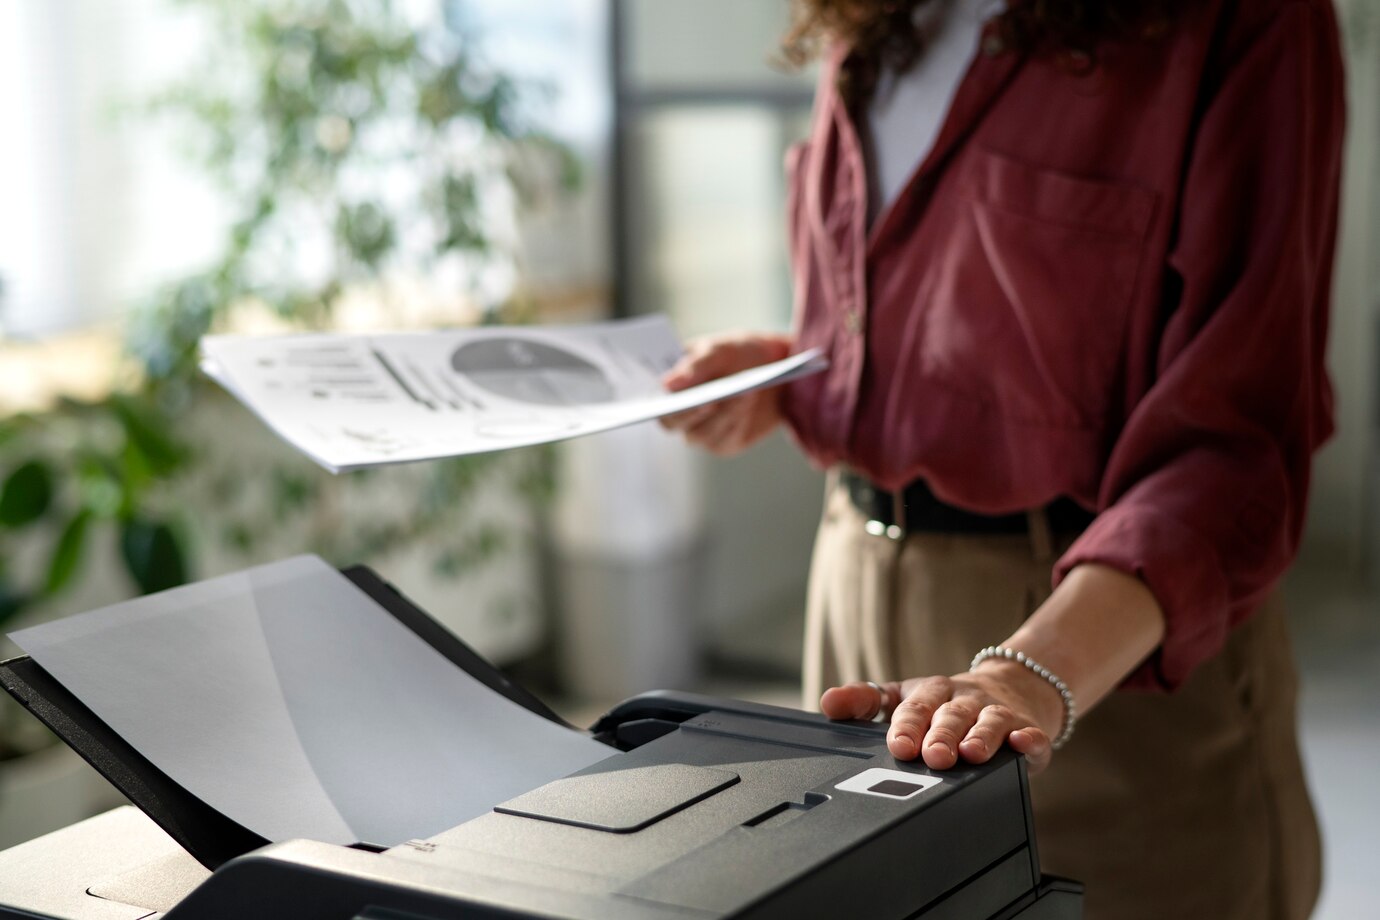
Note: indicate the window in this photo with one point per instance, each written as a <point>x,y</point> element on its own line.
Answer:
<point>94,205</point>
<point>703,121</point>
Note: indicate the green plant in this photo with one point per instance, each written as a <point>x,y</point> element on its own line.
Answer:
<point>76,467</point>
<point>344,129</point>
<point>383,146</point>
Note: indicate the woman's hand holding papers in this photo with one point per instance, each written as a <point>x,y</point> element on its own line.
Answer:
<point>731,425</point>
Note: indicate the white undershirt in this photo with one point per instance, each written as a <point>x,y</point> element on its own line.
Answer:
<point>907,110</point>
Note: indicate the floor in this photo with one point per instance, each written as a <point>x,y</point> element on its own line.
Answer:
<point>1336,622</point>
<point>1337,637</point>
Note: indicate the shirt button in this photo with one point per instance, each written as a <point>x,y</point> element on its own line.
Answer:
<point>993,44</point>
<point>852,321</point>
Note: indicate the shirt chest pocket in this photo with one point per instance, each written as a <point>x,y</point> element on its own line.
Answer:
<point>1032,289</point>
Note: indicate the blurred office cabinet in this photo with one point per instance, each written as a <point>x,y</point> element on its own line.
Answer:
<point>629,568</point>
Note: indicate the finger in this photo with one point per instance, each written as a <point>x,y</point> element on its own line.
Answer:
<point>745,420</point>
<point>989,733</point>
<point>858,700</point>
<point>685,371</point>
<point>1034,744</point>
<point>706,360</point>
<point>911,720</point>
<point>718,430</point>
<point>951,723</point>
<point>689,418</point>
<point>846,702</point>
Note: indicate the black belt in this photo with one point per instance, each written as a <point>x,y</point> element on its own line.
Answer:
<point>922,512</point>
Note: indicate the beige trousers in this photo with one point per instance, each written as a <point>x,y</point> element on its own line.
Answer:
<point>1186,805</point>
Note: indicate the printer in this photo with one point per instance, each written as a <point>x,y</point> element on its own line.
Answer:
<point>701,808</point>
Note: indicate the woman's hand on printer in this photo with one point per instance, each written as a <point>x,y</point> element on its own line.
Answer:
<point>731,425</point>
<point>1096,628</point>
<point>968,715</point>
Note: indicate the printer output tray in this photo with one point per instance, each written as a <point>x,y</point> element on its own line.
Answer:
<point>207,834</point>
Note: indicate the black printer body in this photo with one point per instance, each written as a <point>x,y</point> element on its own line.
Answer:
<point>705,808</point>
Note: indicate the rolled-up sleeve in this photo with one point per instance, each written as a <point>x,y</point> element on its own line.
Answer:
<point>1205,489</point>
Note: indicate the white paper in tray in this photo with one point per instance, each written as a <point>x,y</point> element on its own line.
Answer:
<point>287,699</point>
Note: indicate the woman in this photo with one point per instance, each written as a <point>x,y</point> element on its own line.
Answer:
<point>1078,342</point>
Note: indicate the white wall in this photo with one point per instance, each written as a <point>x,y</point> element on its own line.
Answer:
<point>1344,518</point>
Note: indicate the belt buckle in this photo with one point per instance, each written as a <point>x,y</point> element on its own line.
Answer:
<point>866,497</point>
<point>880,529</point>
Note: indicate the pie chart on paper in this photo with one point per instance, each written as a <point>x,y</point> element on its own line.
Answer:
<point>526,371</point>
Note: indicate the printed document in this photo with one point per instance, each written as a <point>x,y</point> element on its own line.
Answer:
<point>354,401</point>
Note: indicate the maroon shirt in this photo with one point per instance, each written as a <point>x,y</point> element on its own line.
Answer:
<point>1111,286</point>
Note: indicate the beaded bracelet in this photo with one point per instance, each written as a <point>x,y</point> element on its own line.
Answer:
<point>1070,711</point>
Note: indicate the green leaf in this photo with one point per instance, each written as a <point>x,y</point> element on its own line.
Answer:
<point>153,554</point>
<point>67,553</point>
<point>238,536</point>
<point>26,495</point>
<point>100,485</point>
<point>367,231</point>
<point>148,433</point>
<point>460,213</point>
<point>292,492</point>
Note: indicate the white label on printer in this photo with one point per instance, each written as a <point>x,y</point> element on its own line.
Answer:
<point>889,784</point>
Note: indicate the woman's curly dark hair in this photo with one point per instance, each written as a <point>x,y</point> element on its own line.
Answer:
<point>882,33</point>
